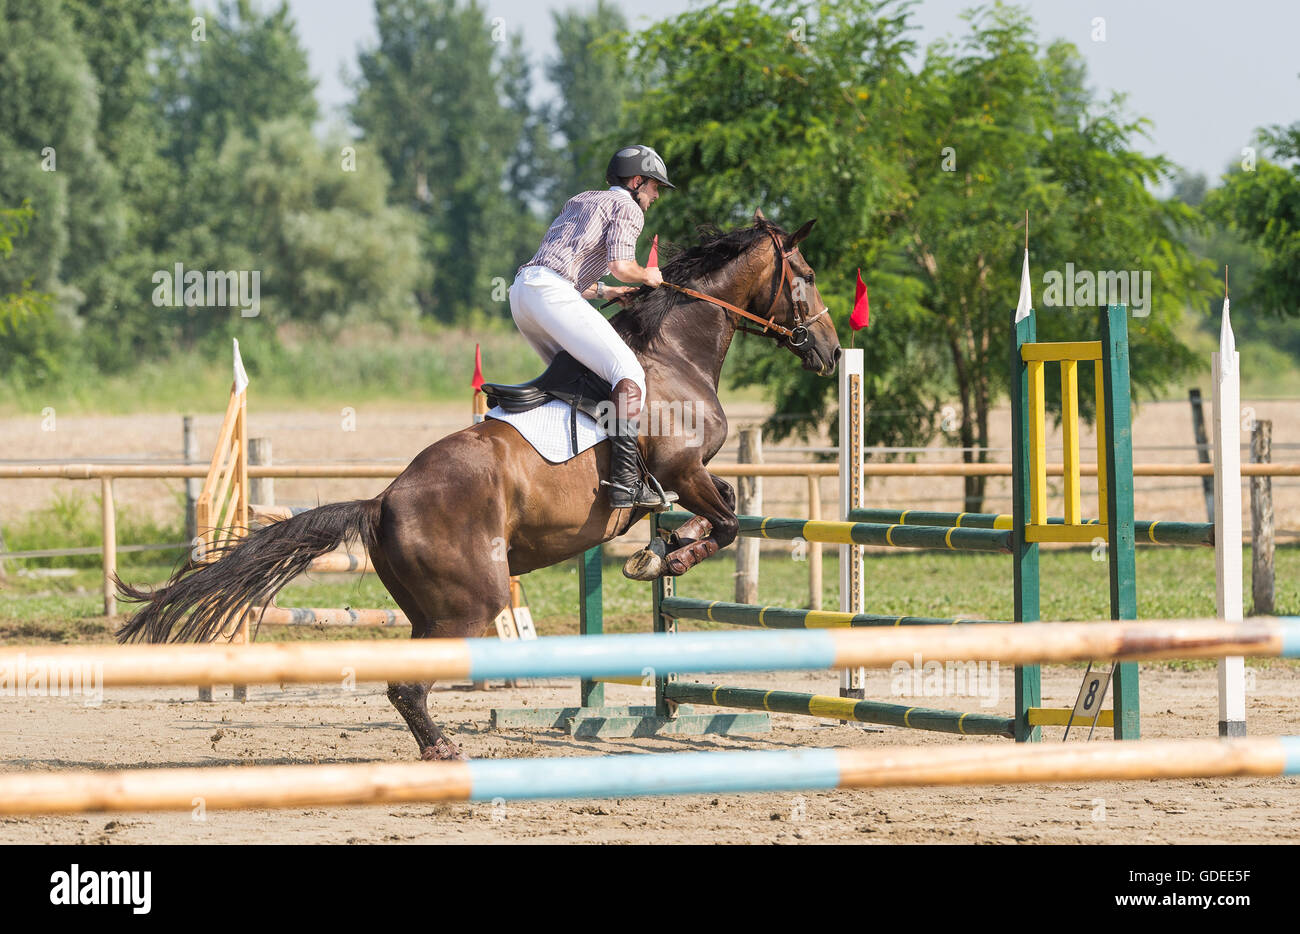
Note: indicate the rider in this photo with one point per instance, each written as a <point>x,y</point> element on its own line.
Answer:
<point>595,234</point>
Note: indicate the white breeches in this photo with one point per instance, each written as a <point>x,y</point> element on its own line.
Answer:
<point>554,316</point>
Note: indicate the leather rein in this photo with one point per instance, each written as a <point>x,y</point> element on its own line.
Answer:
<point>796,336</point>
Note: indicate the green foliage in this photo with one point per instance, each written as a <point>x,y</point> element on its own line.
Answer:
<point>48,153</point>
<point>420,363</point>
<point>74,521</point>
<point>429,97</point>
<point>135,139</point>
<point>243,70</point>
<point>1263,208</point>
<point>804,109</point>
<point>1023,131</point>
<point>20,305</point>
<point>328,247</point>
<point>590,73</point>
<point>919,178</point>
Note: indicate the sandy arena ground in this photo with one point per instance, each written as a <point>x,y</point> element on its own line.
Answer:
<point>166,727</point>
<point>150,727</point>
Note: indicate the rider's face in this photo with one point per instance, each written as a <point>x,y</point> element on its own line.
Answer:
<point>647,192</point>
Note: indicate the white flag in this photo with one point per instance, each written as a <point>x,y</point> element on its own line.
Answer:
<point>1227,345</point>
<point>241,377</point>
<point>1026,302</point>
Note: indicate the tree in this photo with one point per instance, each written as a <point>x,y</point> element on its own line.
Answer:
<point>50,162</point>
<point>430,98</point>
<point>330,248</point>
<point>804,109</point>
<point>204,86</point>
<point>921,179</point>
<point>590,72</point>
<point>529,165</point>
<point>1006,129</point>
<point>17,306</point>
<point>241,70</point>
<point>1263,207</point>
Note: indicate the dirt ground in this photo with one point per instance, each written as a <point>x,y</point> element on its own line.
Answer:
<point>148,727</point>
<point>154,727</point>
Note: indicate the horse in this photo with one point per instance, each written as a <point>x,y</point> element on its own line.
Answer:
<point>481,504</point>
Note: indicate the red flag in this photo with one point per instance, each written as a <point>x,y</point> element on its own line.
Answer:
<point>477,382</point>
<point>654,253</point>
<point>861,316</point>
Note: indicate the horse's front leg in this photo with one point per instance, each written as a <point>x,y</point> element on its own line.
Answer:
<point>713,501</point>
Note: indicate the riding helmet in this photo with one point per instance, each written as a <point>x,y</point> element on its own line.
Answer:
<point>637,160</point>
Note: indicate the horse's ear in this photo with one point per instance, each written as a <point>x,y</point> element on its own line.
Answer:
<point>758,217</point>
<point>792,240</point>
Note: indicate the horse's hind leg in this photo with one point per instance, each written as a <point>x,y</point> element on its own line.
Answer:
<point>439,606</point>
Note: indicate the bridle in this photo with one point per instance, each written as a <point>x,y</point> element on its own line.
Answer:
<point>796,336</point>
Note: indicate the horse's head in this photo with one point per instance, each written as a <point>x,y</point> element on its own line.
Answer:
<point>798,308</point>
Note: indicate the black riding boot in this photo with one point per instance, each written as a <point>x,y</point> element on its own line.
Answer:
<point>626,488</point>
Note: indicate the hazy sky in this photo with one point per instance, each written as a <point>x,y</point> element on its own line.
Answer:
<point>1206,72</point>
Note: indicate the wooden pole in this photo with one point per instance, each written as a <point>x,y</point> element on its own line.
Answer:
<point>814,548</point>
<point>1120,547</point>
<point>261,490</point>
<point>1261,522</point>
<point>1025,577</point>
<point>584,657</point>
<point>390,471</point>
<point>190,449</point>
<point>109,512</point>
<point>843,708</point>
<point>1227,537</point>
<point>1202,449</point>
<point>779,617</point>
<point>239,513</point>
<point>193,488</point>
<point>853,681</point>
<point>635,775</point>
<point>749,501</point>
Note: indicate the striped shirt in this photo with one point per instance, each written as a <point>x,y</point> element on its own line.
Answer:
<point>594,229</point>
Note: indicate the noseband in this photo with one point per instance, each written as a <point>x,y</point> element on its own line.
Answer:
<point>798,335</point>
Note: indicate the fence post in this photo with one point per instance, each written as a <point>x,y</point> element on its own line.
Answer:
<point>1261,522</point>
<point>110,544</point>
<point>814,548</point>
<point>261,490</point>
<point>853,681</point>
<point>749,502</point>
<point>1202,449</point>
<point>193,485</point>
<point>1226,410</point>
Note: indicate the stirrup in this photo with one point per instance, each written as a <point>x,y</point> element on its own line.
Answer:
<point>648,495</point>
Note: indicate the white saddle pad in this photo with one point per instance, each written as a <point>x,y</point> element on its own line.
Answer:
<point>546,428</point>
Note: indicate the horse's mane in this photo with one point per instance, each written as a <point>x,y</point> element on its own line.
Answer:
<point>698,267</point>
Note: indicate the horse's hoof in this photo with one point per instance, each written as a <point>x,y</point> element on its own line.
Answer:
<point>444,750</point>
<point>645,565</point>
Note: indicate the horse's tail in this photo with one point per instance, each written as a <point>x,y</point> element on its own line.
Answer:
<point>198,600</point>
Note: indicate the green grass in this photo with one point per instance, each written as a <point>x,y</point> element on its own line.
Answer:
<point>422,365</point>
<point>1172,582</point>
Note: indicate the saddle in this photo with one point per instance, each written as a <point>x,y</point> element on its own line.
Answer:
<point>566,380</point>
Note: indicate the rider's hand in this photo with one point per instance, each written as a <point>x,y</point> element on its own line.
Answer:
<point>653,277</point>
<point>621,293</point>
